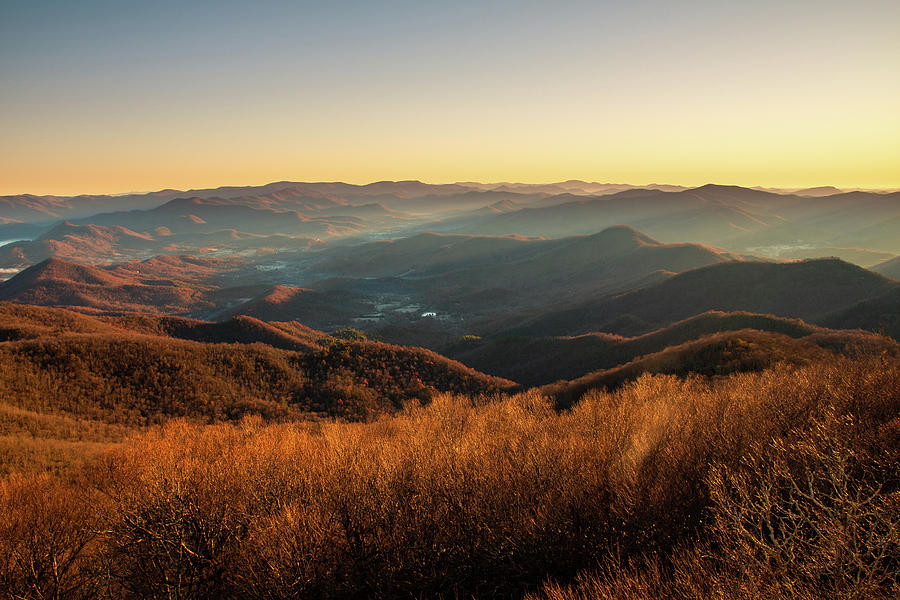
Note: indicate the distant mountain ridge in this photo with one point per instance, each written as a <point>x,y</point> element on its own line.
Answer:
<point>888,268</point>
<point>446,267</point>
<point>737,218</point>
<point>30,207</point>
<point>816,222</point>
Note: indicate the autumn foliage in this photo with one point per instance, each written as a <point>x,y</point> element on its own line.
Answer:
<point>772,484</point>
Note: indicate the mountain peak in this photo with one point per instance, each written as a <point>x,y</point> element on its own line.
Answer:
<point>717,187</point>
<point>56,269</point>
<point>824,190</point>
<point>624,235</point>
<point>281,293</point>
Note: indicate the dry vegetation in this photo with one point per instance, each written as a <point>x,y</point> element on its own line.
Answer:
<point>137,370</point>
<point>728,352</point>
<point>781,483</point>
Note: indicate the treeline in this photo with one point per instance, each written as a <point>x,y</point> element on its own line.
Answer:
<point>138,379</point>
<point>728,352</point>
<point>777,484</point>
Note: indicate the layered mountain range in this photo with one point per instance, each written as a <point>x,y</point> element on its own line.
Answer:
<point>857,226</point>
<point>581,283</point>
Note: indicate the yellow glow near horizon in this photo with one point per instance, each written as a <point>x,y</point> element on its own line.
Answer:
<point>721,138</point>
<point>771,95</point>
<point>752,163</point>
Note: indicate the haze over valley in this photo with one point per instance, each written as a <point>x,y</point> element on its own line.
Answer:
<point>424,264</point>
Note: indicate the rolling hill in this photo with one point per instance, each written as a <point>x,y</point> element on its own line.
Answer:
<point>31,208</point>
<point>810,290</point>
<point>104,244</point>
<point>180,267</point>
<point>880,314</point>
<point>543,360</point>
<point>724,353</point>
<point>471,274</point>
<point>888,268</point>
<point>84,243</point>
<point>140,370</point>
<point>25,322</point>
<point>205,215</point>
<point>324,310</point>
<point>164,284</point>
<point>56,282</point>
<point>740,219</point>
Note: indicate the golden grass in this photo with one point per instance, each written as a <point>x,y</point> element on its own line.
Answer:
<point>490,498</point>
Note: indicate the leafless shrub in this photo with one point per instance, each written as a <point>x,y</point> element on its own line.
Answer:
<point>46,540</point>
<point>813,515</point>
<point>660,489</point>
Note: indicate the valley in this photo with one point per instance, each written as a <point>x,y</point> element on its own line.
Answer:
<point>422,264</point>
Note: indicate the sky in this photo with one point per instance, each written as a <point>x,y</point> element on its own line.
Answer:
<point>122,96</point>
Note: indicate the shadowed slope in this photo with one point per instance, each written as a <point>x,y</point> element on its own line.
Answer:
<point>808,289</point>
<point>543,360</point>
<point>888,268</point>
<point>881,314</point>
<point>467,275</point>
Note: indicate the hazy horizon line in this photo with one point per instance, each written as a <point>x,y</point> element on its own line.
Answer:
<point>462,182</point>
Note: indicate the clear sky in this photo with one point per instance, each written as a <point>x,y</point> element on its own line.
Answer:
<point>117,96</point>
